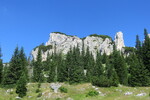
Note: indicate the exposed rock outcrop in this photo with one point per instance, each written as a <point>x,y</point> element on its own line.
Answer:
<point>149,35</point>
<point>119,41</point>
<point>60,42</point>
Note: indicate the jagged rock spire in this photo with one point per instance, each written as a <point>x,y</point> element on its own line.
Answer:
<point>119,41</point>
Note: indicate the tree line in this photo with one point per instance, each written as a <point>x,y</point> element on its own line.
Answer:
<point>80,66</point>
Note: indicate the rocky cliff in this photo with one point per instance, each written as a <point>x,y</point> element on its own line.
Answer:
<point>149,35</point>
<point>61,42</point>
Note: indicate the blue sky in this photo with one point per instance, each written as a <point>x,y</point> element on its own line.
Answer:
<point>28,23</point>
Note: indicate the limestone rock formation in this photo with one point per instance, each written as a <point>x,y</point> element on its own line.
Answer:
<point>61,43</point>
<point>119,41</point>
<point>149,35</point>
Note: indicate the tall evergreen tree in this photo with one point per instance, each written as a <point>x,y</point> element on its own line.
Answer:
<point>53,64</point>
<point>111,73</point>
<point>1,66</point>
<point>104,58</point>
<point>88,63</point>
<point>146,51</point>
<point>14,70</point>
<point>138,47</point>
<point>138,72</point>
<point>23,62</point>
<point>138,43</point>
<point>68,66</point>
<point>74,68</point>
<point>76,72</point>
<point>120,67</point>
<point>62,69</point>
<point>21,86</point>
<point>99,69</point>
<point>37,69</point>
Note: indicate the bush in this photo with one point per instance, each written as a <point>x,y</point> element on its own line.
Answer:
<point>39,85</point>
<point>101,81</point>
<point>39,95</point>
<point>43,47</point>
<point>38,90</point>
<point>92,93</point>
<point>101,36</point>
<point>63,89</point>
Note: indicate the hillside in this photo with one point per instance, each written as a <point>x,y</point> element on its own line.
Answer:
<point>79,92</point>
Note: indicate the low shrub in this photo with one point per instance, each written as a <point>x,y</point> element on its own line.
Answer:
<point>92,93</point>
<point>38,90</point>
<point>39,95</point>
<point>63,89</point>
<point>102,81</point>
<point>39,85</point>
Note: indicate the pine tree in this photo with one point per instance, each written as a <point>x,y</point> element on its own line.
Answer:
<point>52,68</point>
<point>74,70</point>
<point>104,58</point>
<point>21,86</point>
<point>138,43</point>
<point>138,73</point>
<point>138,47</point>
<point>14,70</point>
<point>1,66</point>
<point>99,69</point>
<point>88,64</point>
<point>100,77</point>
<point>120,67</point>
<point>146,51</point>
<point>61,73</point>
<point>37,69</point>
<point>111,74</point>
<point>24,62</point>
<point>68,66</point>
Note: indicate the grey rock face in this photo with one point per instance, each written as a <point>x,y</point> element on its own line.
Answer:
<point>62,43</point>
<point>119,42</point>
<point>98,44</point>
<point>149,35</point>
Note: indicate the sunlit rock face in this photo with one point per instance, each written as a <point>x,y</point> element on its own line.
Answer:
<point>61,43</point>
<point>149,35</point>
<point>119,41</point>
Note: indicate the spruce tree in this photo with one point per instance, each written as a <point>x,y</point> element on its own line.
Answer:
<point>21,86</point>
<point>61,70</point>
<point>99,69</point>
<point>138,47</point>
<point>37,69</point>
<point>138,72</point>
<point>23,62</point>
<point>14,70</point>
<point>88,63</point>
<point>68,66</point>
<point>76,73</point>
<point>1,66</point>
<point>104,58</point>
<point>120,67</point>
<point>146,51</point>
<point>52,68</point>
<point>111,73</point>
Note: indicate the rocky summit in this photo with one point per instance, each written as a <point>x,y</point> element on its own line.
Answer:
<point>61,43</point>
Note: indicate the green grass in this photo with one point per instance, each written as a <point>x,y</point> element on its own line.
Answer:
<point>78,92</point>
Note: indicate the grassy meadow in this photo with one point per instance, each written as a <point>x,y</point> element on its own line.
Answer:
<point>77,92</point>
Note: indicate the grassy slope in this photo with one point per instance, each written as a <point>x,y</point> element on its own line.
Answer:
<point>78,92</point>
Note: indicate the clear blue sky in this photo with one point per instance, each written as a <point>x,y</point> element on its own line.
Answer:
<point>28,23</point>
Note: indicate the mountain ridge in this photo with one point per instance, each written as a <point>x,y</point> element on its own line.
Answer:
<point>63,42</point>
